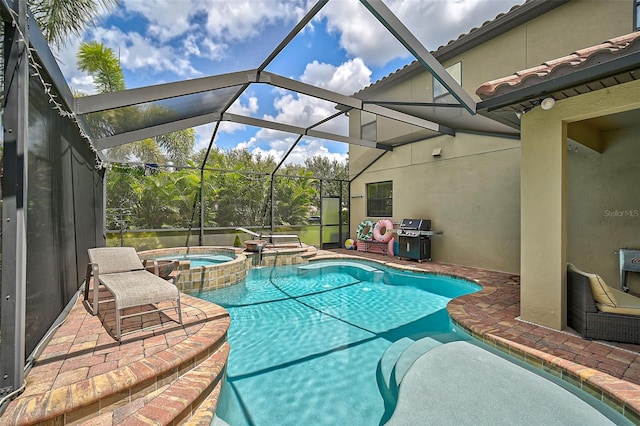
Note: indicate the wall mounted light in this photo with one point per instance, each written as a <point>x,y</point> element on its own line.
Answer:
<point>547,103</point>
<point>437,152</point>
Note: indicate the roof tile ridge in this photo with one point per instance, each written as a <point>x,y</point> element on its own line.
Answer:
<point>612,46</point>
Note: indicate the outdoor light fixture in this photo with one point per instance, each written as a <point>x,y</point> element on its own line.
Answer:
<point>437,152</point>
<point>547,103</point>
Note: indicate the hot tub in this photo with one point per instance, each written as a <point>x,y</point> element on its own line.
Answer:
<point>203,268</point>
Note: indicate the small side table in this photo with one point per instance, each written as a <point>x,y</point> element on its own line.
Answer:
<point>629,262</point>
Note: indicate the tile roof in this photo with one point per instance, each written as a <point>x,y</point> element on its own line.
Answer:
<point>565,65</point>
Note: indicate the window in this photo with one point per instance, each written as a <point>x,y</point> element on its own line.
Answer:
<point>368,123</point>
<point>455,71</point>
<point>380,199</point>
<point>636,17</point>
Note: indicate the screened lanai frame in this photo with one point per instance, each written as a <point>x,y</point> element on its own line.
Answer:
<point>26,70</point>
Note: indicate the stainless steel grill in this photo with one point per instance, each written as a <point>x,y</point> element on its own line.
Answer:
<point>414,240</point>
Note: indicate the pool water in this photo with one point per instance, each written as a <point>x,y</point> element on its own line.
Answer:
<point>306,345</point>
<point>200,260</point>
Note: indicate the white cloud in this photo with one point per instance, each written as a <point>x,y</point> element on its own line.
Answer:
<point>361,35</point>
<point>314,148</point>
<point>214,51</point>
<point>240,20</point>
<point>167,19</point>
<point>346,78</point>
<point>434,23</point>
<point>305,149</point>
<point>241,109</point>
<point>302,110</point>
<point>139,53</point>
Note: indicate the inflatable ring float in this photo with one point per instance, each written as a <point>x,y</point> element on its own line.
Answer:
<point>365,230</point>
<point>382,231</point>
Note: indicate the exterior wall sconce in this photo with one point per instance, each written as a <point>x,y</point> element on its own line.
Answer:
<point>437,152</point>
<point>547,103</point>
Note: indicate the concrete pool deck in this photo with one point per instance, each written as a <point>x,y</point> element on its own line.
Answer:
<point>171,375</point>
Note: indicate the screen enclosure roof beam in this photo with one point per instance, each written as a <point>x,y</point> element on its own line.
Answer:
<point>422,55</point>
<point>129,97</point>
<point>350,101</point>
<point>148,132</point>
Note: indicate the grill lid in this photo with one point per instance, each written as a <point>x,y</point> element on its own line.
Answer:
<point>417,224</point>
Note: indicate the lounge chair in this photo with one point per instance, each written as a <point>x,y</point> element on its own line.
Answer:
<point>270,237</point>
<point>597,311</point>
<point>120,271</point>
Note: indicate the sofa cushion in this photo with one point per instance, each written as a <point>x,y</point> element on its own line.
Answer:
<point>626,304</point>
<point>601,291</point>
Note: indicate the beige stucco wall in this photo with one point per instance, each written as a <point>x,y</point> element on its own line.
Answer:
<point>543,219</point>
<point>471,193</point>
<point>603,199</point>
<point>566,197</point>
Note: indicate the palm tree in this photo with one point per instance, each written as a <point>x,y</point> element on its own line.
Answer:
<point>60,19</point>
<point>103,65</point>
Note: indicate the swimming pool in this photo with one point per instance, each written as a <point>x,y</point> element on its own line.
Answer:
<point>307,343</point>
<point>323,343</point>
<point>203,267</point>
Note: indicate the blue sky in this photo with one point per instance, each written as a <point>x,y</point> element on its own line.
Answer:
<point>343,49</point>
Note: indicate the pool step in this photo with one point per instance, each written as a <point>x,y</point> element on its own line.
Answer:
<point>399,357</point>
<point>462,383</point>
<point>359,271</point>
<point>416,350</point>
<point>388,363</point>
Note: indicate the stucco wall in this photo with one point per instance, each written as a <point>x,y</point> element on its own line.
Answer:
<point>603,205</point>
<point>471,193</point>
<point>572,26</point>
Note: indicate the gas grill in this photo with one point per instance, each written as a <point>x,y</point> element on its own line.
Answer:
<point>414,239</point>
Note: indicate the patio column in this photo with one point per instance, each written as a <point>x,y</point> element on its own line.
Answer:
<point>543,219</point>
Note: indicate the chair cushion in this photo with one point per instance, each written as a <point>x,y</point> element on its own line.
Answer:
<point>115,259</point>
<point>602,293</point>
<point>626,304</point>
<point>138,288</point>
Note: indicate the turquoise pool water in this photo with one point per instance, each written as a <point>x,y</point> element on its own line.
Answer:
<point>200,260</point>
<point>306,344</point>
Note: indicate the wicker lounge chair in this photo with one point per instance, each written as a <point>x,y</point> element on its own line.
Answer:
<point>270,237</point>
<point>120,271</point>
<point>586,316</point>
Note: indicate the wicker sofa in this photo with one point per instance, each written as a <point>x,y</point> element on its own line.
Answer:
<point>586,316</point>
